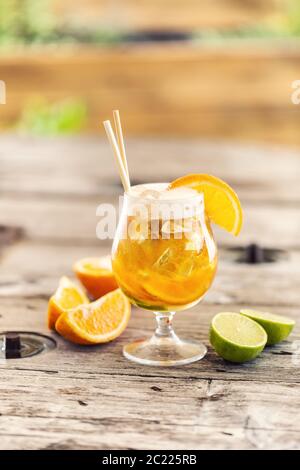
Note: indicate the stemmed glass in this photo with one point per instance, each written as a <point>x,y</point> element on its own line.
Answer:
<point>164,259</point>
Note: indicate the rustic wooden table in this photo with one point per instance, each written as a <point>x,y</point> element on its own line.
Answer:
<point>92,398</point>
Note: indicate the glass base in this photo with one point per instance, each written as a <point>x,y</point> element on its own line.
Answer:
<point>164,351</point>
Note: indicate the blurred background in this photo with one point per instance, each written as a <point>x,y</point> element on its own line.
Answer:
<point>186,68</point>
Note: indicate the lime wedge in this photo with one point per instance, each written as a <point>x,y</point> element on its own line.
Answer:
<point>277,327</point>
<point>236,338</point>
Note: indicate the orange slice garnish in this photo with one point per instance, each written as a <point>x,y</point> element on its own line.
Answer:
<point>98,322</point>
<point>96,275</point>
<point>67,296</point>
<point>222,204</point>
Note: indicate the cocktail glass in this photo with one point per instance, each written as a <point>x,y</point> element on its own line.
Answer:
<point>164,258</point>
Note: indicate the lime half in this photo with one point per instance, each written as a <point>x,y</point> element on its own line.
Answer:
<point>277,327</point>
<point>236,338</point>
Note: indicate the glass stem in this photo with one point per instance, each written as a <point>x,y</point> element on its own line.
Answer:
<point>164,329</point>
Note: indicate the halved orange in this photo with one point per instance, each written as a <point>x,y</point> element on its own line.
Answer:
<point>68,295</point>
<point>222,204</point>
<point>98,322</point>
<point>96,275</point>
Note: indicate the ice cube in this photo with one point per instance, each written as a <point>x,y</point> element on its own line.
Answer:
<point>138,230</point>
<point>177,193</point>
<point>174,227</point>
<point>165,264</point>
<point>210,245</point>
<point>145,190</point>
<point>186,266</point>
<point>163,259</point>
<point>172,263</point>
<point>195,242</point>
<point>150,194</point>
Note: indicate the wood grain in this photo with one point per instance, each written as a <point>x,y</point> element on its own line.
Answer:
<point>234,283</point>
<point>79,397</point>
<point>233,90</point>
<point>87,170</point>
<point>170,15</point>
<point>103,399</point>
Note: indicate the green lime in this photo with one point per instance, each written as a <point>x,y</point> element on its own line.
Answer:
<point>236,338</point>
<point>277,327</point>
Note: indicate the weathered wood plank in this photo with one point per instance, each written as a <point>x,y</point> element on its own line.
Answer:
<point>157,87</point>
<point>160,62</point>
<point>207,438</point>
<point>102,409</point>
<point>75,221</point>
<point>91,397</point>
<point>277,364</point>
<point>102,400</point>
<point>157,15</point>
<point>84,167</point>
<point>234,283</point>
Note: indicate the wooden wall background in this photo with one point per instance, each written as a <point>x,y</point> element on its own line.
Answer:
<point>165,14</point>
<point>238,90</point>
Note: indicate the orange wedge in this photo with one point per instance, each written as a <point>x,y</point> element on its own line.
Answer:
<point>222,204</point>
<point>96,275</point>
<point>67,296</point>
<point>98,322</point>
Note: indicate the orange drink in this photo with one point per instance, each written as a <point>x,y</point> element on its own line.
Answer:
<point>171,271</point>
<point>164,258</point>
